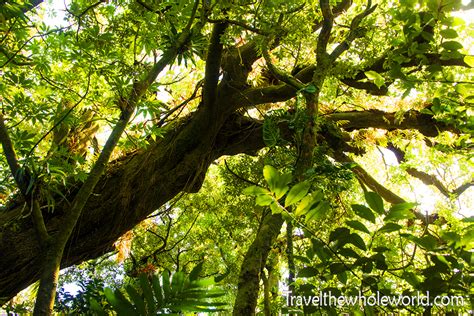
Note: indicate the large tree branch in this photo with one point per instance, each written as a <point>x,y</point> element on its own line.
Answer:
<point>354,32</point>
<point>427,178</point>
<point>415,120</point>
<point>213,64</point>
<point>375,186</point>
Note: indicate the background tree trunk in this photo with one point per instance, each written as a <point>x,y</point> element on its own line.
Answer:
<point>254,261</point>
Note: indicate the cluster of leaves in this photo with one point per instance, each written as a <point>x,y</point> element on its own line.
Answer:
<point>147,294</point>
<point>354,257</point>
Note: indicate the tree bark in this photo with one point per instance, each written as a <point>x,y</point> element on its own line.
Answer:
<point>254,261</point>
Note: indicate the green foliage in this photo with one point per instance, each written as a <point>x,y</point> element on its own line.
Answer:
<point>349,261</point>
<point>164,295</point>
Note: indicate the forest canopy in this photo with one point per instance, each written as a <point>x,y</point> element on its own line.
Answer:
<point>235,156</point>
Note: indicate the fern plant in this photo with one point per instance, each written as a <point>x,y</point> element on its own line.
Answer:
<point>164,294</point>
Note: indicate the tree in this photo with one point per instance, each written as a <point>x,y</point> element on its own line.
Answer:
<point>311,60</point>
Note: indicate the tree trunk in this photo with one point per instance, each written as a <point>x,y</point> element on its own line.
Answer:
<point>133,187</point>
<point>254,261</point>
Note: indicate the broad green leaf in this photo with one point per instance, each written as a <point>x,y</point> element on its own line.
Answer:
<point>348,252</point>
<point>307,202</point>
<point>276,208</point>
<point>308,272</point>
<point>399,212</point>
<point>340,233</point>
<point>278,183</point>
<point>364,212</point>
<point>380,261</point>
<point>318,211</point>
<point>358,226</point>
<point>390,227</point>
<point>448,33</point>
<point>465,89</point>
<point>337,267</point>
<point>357,241</point>
<point>342,277</point>
<point>272,176</point>
<point>282,187</point>
<point>411,278</point>
<point>451,45</point>
<point>194,274</point>
<point>264,199</point>
<point>255,190</point>
<point>469,60</point>
<point>96,307</point>
<point>304,205</point>
<point>428,242</point>
<point>375,202</point>
<point>378,80</point>
<point>297,192</point>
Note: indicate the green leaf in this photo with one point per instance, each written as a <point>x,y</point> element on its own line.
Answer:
<point>278,183</point>
<point>194,274</point>
<point>271,132</point>
<point>308,272</point>
<point>307,202</point>
<point>469,60</point>
<point>148,293</point>
<point>271,175</point>
<point>96,307</point>
<point>157,290</point>
<point>264,199</point>
<point>390,227</point>
<point>337,267</point>
<point>380,261</point>
<point>137,300</point>
<point>340,233</point>
<point>428,242</point>
<point>451,45</point>
<point>121,305</point>
<point>364,212</point>
<point>358,226</point>
<point>375,202</point>
<point>348,252</point>
<point>469,219</point>
<point>297,193</point>
<point>378,80</point>
<point>342,277</point>
<point>311,88</point>
<point>166,285</point>
<point>449,33</point>
<point>411,278</point>
<point>357,241</point>
<point>276,208</point>
<point>400,211</point>
<point>255,190</point>
<point>464,89</point>
<point>318,211</point>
